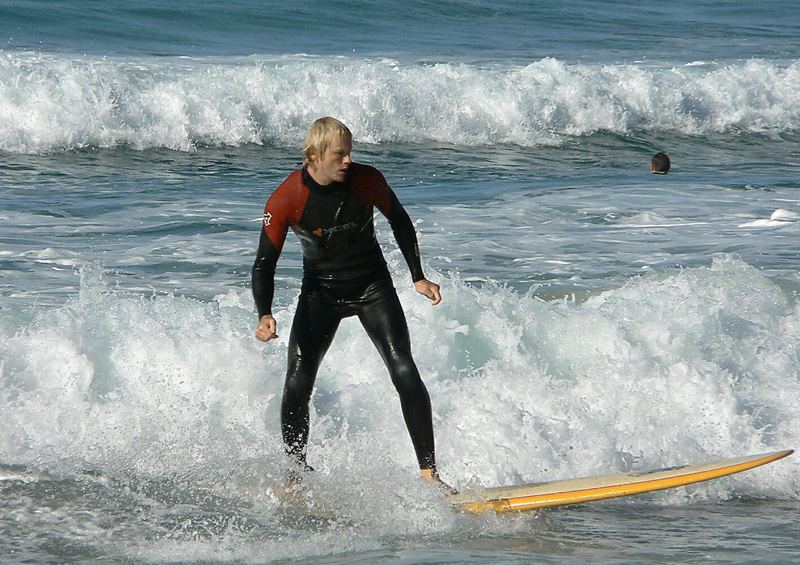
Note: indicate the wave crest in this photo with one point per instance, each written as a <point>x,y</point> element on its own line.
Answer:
<point>52,103</point>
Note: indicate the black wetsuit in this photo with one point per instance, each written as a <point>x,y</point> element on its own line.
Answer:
<point>344,274</point>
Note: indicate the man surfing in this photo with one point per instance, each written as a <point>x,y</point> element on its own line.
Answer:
<point>329,203</point>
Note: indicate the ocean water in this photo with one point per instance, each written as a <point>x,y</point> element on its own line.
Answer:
<point>596,318</point>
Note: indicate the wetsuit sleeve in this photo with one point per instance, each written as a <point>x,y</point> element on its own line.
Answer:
<point>273,234</point>
<point>402,227</point>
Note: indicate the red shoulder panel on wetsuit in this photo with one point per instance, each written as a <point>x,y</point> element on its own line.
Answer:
<point>284,208</point>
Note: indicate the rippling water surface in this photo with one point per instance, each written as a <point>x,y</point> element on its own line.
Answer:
<point>597,318</point>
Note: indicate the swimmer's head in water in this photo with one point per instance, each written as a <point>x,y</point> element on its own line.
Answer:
<point>660,164</point>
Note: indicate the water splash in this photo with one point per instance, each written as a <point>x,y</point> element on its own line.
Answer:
<point>53,103</point>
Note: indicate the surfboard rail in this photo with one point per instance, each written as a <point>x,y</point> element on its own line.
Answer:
<point>589,489</point>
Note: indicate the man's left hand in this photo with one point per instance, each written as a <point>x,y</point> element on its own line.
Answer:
<point>429,289</point>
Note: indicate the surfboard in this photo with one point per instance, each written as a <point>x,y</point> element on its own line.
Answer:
<point>588,489</point>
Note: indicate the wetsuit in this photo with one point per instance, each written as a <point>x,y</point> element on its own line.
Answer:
<point>344,274</point>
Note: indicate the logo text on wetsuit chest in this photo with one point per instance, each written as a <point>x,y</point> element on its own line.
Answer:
<point>328,232</point>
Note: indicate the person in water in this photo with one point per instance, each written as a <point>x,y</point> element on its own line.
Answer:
<point>660,164</point>
<point>329,204</point>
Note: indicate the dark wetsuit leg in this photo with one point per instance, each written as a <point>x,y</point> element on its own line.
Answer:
<point>319,312</point>
<point>385,323</point>
<point>313,328</point>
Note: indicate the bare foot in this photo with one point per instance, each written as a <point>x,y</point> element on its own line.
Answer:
<point>291,490</point>
<point>432,476</point>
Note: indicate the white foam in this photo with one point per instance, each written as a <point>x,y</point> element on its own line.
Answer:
<point>781,214</point>
<point>668,369</point>
<point>762,223</point>
<point>51,102</point>
<point>780,218</point>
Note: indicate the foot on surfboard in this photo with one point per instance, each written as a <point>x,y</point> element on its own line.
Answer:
<point>432,477</point>
<point>292,488</point>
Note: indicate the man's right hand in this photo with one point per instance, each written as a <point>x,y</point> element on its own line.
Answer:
<point>267,328</point>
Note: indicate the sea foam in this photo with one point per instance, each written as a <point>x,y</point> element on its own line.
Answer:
<point>668,369</point>
<point>52,103</point>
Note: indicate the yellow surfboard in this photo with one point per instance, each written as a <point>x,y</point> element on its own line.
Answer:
<point>588,489</point>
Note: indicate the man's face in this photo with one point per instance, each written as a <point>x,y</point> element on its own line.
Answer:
<point>332,165</point>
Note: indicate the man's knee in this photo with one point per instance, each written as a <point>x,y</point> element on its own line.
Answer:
<point>405,377</point>
<point>299,385</point>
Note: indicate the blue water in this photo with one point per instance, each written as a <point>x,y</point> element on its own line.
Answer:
<point>596,318</point>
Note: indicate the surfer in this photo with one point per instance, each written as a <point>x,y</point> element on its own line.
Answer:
<point>659,164</point>
<point>329,204</point>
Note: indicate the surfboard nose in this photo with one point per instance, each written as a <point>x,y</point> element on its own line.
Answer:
<point>588,489</point>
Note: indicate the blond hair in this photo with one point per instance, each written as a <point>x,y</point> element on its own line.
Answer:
<point>321,135</point>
